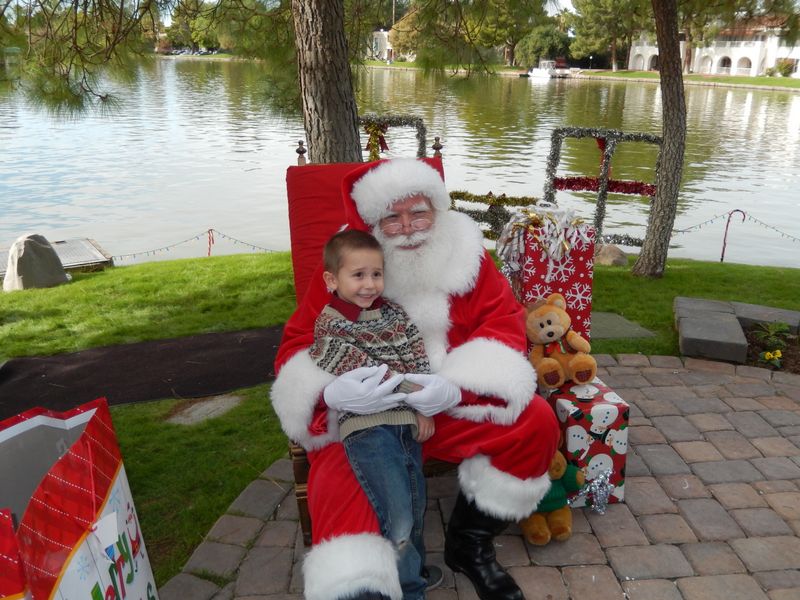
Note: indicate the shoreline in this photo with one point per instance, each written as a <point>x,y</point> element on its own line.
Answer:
<point>582,74</point>
<point>768,88</point>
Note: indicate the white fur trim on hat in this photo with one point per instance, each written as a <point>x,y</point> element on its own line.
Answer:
<point>343,566</point>
<point>490,368</point>
<point>394,180</point>
<point>499,494</point>
<point>294,396</point>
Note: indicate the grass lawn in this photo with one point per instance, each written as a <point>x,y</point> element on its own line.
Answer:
<point>151,301</point>
<point>776,82</point>
<point>184,477</point>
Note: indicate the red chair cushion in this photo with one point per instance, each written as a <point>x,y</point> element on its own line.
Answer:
<point>315,214</point>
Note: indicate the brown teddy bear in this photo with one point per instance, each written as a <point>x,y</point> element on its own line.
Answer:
<point>553,516</point>
<point>559,354</point>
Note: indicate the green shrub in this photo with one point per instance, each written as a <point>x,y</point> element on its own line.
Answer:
<point>773,335</point>
<point>785,67</point>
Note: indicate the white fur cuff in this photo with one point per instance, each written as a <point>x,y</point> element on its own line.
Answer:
<point>499,494</point>
<point>295,394</point>
<point>489,368</point>
<point>342,566</point>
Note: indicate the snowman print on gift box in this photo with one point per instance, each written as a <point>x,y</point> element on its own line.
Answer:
<point>578,441</point>
<point>617,439</point>
<point>601,417</point>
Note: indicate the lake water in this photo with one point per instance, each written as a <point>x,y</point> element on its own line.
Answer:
<point>198,145</point>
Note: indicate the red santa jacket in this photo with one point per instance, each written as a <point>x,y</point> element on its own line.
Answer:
<point>473,327</point>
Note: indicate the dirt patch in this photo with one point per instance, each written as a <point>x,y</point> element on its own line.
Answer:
<point>790,356</point>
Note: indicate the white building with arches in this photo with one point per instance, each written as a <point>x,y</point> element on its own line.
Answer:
<point>746,52</point>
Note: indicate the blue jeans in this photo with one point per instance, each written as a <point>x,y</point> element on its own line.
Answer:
<point>387,462</point>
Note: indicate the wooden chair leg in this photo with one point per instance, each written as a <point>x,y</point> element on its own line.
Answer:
<point>301,466</point>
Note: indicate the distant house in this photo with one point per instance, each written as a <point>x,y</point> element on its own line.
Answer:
<point>381,46</point>
<point>749,50</point>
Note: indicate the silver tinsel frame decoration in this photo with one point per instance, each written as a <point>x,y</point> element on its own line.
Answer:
<point>400,121</point>
<point>612,137</point>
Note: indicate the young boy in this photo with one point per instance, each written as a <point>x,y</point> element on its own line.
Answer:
<point>359,328</point>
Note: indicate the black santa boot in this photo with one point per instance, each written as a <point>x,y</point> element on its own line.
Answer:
<point>469,549</point>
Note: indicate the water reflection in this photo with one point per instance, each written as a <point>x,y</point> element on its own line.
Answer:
<point>202,144</point>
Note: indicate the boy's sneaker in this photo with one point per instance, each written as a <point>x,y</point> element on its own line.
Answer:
<point>433,575</point>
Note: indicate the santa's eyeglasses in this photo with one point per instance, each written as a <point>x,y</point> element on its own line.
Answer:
<point>394,225</point>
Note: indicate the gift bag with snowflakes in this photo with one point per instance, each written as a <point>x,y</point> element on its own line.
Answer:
<point>69,520</point>
<point>545,250</point>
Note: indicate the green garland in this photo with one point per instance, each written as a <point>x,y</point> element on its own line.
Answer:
<point>491,200</point>
<point>376,125</point>
<point>496,215</point>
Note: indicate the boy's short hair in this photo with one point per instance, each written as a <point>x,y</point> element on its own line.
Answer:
<point>349,239</point>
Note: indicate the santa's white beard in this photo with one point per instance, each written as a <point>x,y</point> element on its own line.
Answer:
<point>412,262</point>
<point>414,278</point>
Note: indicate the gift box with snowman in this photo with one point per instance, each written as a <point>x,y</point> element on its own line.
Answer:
<point>594,421</point>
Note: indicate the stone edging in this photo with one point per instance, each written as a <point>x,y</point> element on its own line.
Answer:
<point>714,329</point>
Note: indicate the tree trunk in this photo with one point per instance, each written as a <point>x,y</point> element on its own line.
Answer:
<point>629,41</point>
<point>510,54</point>
<point>653,258</point>
<point>614,54</point>
<point>330,115</point>
<point>688,52</point>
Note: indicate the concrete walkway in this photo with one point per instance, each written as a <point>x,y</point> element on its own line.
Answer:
<point>712,506</point>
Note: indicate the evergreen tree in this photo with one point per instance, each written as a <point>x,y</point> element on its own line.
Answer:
<point>543,42</point>
<point>607,26</point>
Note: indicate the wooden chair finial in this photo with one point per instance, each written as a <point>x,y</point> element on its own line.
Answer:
<point>301,153</point>
<point>437,147</point>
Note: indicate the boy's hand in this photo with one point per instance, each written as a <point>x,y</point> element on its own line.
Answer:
<point>425,428</point>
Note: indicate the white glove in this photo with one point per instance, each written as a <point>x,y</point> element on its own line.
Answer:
<point>437,394</point>
<point>360,391</point>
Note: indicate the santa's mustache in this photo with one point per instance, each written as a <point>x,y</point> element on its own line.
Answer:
<point>403,241</point>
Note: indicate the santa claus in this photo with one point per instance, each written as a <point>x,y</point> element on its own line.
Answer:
<point>500,432</point>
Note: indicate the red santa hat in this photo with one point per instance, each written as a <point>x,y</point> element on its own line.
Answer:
<point>370,190</point>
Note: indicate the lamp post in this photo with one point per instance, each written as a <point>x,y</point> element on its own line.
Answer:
<point>590,61</point>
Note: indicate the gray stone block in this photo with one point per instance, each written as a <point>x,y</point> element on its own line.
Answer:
<point>768,553</point>
<point>709,520</point>
<point>661,561</point>
<point>713,335</point>
<point>606,325</point>
<point>730,587</point>
<point>184,586</point>
<point>260,499</point>
<point>684,306</point>
<point>752,314</point>
<point>701,305</point>
<point>280,470</point>
<point>221,560</point>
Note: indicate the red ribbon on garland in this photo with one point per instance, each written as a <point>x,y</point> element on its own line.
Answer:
<point>376,143</point>
<point>614,186</point>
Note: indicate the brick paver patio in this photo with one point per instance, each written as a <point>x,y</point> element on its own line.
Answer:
<point>712,506</point>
